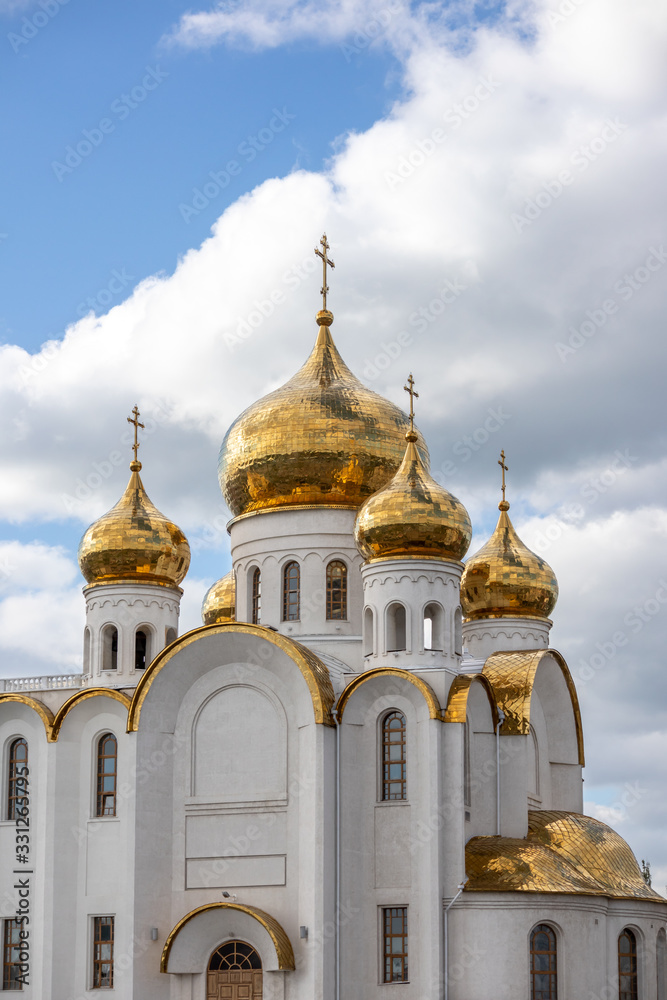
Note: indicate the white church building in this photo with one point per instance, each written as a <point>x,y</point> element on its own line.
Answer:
<point>359,779</point>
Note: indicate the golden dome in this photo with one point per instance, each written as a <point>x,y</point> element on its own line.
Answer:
<point>323,438</point>
<point>134,542</point>
<point>219,604</point>
<point>413,516</point>
<point>505,579</point>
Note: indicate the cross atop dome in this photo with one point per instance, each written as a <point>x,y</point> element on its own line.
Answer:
<point>135,466</point>
<point>410,388</point>
<point>325,260</point>
<point>503,505</point>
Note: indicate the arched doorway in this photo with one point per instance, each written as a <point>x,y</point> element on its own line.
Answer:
<point>234,973</point>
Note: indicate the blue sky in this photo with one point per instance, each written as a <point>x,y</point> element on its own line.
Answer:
<point>491,179</point>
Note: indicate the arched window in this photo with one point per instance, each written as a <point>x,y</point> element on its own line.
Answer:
<point>661,956</point>
<point>256,597</point>
<point>169,636</point>
<point>394,760</point>
<point>234,955</point>
<point>110,648</point>
<point>86,650</point>
<point>291,578</point>
<point>396,631</point>
<point>107,768</point>
<point>234,970</point>
<point>627,966</point>
<point>17,775</point>
<point>433,630</point>
<point>141,649</point>
<point>467,799</point>
<point>368,632</point>
<point>336,591</point>
<point>458,632</point>
<point>543,963</point>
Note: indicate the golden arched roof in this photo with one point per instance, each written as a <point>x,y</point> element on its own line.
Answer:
<point>323,439</point>
<point>425,689</point>
<point>84,695</point>
<point>564,852</point>
<point>280,940</point>
<point>512,676</point>
<point>219,604</point>
<point>314,672</point>
<point>457,699</point>
<point>45,713</point>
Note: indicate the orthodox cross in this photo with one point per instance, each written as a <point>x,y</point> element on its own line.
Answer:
<point>137,425</point>
<point>501,463</point>
<point>410,388</point>
<point>325,260</point>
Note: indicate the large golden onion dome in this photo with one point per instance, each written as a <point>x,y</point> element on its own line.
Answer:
<point>413,516</point>
<point>505,579</point>
<point>322,439</point>
<point>219,604</point>
<point>134,542</point>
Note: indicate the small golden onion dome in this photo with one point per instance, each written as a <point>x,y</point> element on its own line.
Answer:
<point>413,516</point>
<point>505,579</point>
<point>134,542</point>
<point>322,439</point>
<point>219,604</point>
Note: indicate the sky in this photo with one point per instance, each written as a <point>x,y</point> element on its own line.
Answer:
<point>491,180</point>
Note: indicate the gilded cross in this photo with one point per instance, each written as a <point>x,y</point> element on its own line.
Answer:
<point>137,425</point>
<point>325,260</point>
<point>410,388</point>
<point>501,463</point>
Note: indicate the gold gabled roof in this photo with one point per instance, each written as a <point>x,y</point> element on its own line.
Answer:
<point>322,439</point>
<point>219,604</point>
<point>564,852</point>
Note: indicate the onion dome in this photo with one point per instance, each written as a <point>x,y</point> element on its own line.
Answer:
<point>134,542</point>
<point>413,516</point>
<point>505,579</point>
<point>219,604</point>
<point>322,439</point>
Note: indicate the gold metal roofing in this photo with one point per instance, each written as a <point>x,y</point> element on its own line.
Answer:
<point>512,676</point>
<point>564,852</point>
<point>134,542</point>
<point>505,579</point>
<point>219,604</point>
<point>413,516</point>
<point>322,439</point>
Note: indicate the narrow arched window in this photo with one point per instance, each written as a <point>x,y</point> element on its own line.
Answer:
<point>169,636</point>
<point>107,770</point>
<point>17,774</point>
<point>458,632</point>
<point>141,649</point>
<point>396,628</point>
<point>256,597</point>
<point>110,648</point>
<point>433,630</point>
<point>86,650</point>
<point>467,798</point>
<point>368,632</point>
<point>627,966</point>
<point>291,578</point>
<point>543,963</point>
<point>660,957</point>
<point>394,759</point>
<point>336,591</point>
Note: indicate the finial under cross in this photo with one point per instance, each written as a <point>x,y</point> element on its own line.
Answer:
<point>135,421</point>
<point>501,463</point>
<point>410,388</point>
<point>325,260</point>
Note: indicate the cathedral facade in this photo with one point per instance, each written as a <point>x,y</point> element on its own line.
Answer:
<point>360,778</point>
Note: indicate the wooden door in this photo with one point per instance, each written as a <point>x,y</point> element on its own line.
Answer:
<point>234,985</point>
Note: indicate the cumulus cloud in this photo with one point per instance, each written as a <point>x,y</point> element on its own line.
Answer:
<point>498,234</point>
